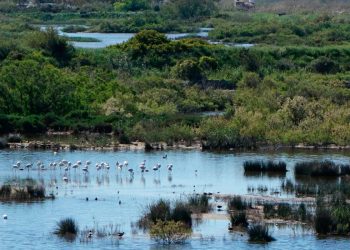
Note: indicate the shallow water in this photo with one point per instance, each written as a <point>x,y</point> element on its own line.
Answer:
<point>30,225</point>
<point>108,39</point>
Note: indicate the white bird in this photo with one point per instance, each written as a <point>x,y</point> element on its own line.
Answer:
<point>130,170</point>
<point>65,178</point>
<point>4,216</point>
<point>155,168</point>
<point>79,162</point>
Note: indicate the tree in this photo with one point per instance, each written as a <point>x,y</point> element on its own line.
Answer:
<point>52,45</point>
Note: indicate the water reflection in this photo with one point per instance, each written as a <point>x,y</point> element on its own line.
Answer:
<point>123,196</point>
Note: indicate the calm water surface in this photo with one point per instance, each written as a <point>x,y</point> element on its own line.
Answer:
<point>30,226</point>
<point>108,39</point>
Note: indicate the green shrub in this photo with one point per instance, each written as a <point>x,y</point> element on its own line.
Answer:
<point>170,232</point>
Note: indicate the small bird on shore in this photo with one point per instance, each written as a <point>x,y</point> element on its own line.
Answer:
<point>120,234</point>
<point>4,216</point>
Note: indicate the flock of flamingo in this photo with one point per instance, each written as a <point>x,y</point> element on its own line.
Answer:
<point>67,166</point>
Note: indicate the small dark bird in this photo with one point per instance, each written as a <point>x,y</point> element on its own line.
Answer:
<point>230,228</point>
<point>87,198</point>
<point>120,234</point>
<point>165,156</point>
<point>120,202</point>
<point>96,199</point>
<point>90,234</point>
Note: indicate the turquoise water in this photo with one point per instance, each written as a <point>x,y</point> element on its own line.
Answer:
<point>30,225</point>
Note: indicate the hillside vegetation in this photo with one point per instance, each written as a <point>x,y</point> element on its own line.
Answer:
<point>292,87</point>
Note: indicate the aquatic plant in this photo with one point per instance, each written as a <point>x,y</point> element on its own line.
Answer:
<point>170,232</point>
<point>259,234</point>
<point>265,166</point>
<point>284,210</point>
<point>181,212</point>
<point>269,210</point>
<point>236,203</point>
<point>323,221</point>
<point>199,203</point>
<point>22,190</point>
<point>162,211</point>
<point>67,228</point>
<point>324,168</point>
<point>239,219</point>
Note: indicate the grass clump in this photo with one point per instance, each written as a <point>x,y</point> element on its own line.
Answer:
<point>236,203</point>
<point>332,216</point>
<point>67,228</point>
<point>321,169</point>
<point>170,232</point>
<point>265,167</point>
<point>239,220</point>
<point>199,203</point>
<point>163,211</point>
<point>22,190</point>
<point>259,234</point>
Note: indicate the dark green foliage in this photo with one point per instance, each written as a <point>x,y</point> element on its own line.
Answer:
<point>323,221</point>
<point>259,234</point>
<point>324,65</point>
<point>265,166</point>
<point>182,213</point>
<point>155,89</point>
<point>22,190</point>
<point>236,203</point>
<point>320,168</point>
<point>269,210</point>
<point>284,210</point>
<point>239,219</point>
<point>53,45</point>
<point>67,228</point>
<point>188,70</point>
<point>162,211</point>
<point>159,211</point>
<point>131,5</point>
<point>190,9</point>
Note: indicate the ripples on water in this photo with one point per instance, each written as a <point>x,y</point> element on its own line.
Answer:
<point>30,225</point>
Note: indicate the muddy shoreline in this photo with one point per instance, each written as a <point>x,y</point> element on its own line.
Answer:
<point>195,145</point>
